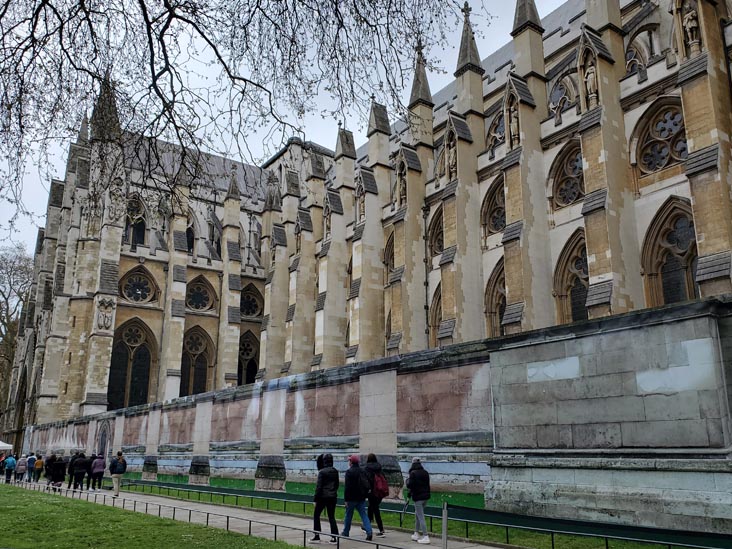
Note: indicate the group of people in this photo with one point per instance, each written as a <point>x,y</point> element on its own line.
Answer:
<point>364,484</point>
<point>29,469</point>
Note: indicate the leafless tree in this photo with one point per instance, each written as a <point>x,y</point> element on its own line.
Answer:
<point>203,75</point>
<point>16,277</point>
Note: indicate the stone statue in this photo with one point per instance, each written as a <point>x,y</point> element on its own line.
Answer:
<point>402,184</point>
<point>327,224</point>
<point>591,85</point>
<point>361,207</point>
<point>117,203</point>
<point>690,22</point>
<point>452,158</point>
<point>105,311</point>
<point>513,126</point>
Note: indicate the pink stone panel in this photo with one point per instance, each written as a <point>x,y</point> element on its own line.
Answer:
<point>81,432</point>
<point>237,420</point>
<point>323,411</point>
<point>133,426</point>
<point>176,426</point>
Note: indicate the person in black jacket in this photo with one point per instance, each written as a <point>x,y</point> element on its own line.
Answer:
<point>71,468</point>
<point>326,496</point>
<point>373,468</point>
<point>357,490</point>
<point>79,469</point>
<point>418,485</point>
<point>58,473</point>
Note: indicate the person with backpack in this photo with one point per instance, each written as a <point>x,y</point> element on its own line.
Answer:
<point>21,468</point>
<point>326,496</point>
<point>379,490</point>
<point>117,468</point>
<point>80,469</point>
<point>31,467</point>
<point>357,490</point>
<point>418,485</point>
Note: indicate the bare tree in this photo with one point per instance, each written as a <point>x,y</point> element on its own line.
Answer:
<point>204,75</point>
<point>16,277</point>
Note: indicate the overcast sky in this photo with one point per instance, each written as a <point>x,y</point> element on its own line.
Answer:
<point>491,34</point>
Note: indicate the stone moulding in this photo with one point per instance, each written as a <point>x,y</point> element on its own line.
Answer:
<point>234,446</point>
<point>175,448</point>
<point>135,449</point>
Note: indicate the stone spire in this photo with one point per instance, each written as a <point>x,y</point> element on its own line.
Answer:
<point>526,16</point>
<point>83,136</point>
<point>105,119</point>
<point>420,86</point>
<point>378,119</point>
<point>272,196</point>
<point>468,57</point>
<point>233,185</point>
<point>344,144</point>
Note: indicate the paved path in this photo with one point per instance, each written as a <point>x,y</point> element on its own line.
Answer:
<point>292,529</point>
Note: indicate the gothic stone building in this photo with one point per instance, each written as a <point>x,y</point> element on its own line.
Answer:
<point>580,172</point>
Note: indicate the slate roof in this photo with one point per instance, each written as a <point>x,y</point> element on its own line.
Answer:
<point>304,220</point>
<point>333,199</point>
<point>279,235</point>
<point>369,181</point>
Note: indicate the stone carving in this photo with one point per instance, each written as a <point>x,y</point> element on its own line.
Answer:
<point>402,184</point>
<point>451,157</point>
<point>326,221</point>
<point>105,312</point>
<point>690,23</point>
<point>513,126</point>
<point>91,213</point>
<point>117,204</point>
<point>591,85</point>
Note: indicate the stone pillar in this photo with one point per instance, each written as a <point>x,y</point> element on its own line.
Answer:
<point>174,312</point>
<point>199,471</point>
<point>119,432</point>
<point>302,294</point>
<point>271,473</point>
<point>274,335</point>
<point>150,465</point>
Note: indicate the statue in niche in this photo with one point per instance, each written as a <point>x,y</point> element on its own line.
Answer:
<point>451,157</point>
<point>326,229</point>
<point>117,202</point>
<point>513,126</point>
<point>361,200</point>
<point>591,85</point>
<point>441,170</point>
<point>298,240</point>
<point>105,311</point>
<point>91,213</point>
<point>402,184</point>
<point>690,22</point>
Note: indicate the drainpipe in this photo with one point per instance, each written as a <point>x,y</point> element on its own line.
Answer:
<point>427,265</point>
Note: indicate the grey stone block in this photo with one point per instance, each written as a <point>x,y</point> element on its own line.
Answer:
<point>554,476</point>
<point>529,414</point>
<point>516,437</point>
<point>715,433</point>
<point>709,404</point>
<point>666,434</point>
<point>554,436</point>
<point>597,435</point>
<point>683,405</point>
<point>601,410</point>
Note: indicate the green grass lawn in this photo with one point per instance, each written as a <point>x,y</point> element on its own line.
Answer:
<point>36,520</point>
<point>478,533</point>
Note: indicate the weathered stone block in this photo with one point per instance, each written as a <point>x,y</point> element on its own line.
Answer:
<point>597,435</point>
<point>603,410</point>
<point>666,434</point>
<point>684,405</point>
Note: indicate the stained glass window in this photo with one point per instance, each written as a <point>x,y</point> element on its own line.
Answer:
<point>664,142</point>
<point>569,183</point>
<point>194,363</point>
<point>250,305</point>
<point>493,217</point>
<point>138,288</point>
<point>198,296</point>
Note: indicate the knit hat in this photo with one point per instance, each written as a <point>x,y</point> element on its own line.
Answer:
<point>416,460</point>
<point>354,459</point>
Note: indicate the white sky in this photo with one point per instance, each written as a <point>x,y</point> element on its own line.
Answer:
<point>490,36</point>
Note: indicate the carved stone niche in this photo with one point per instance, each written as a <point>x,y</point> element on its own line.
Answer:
<point>105,313</point>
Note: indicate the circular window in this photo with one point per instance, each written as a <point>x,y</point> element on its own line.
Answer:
<point>195,344</point>
<point>198,297</point>
<point>250,305</point>
<point>247,349</point>
<point>133,336</point>
<point>138,288</point>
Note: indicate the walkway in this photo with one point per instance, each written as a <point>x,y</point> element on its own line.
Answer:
<point>291,529</point>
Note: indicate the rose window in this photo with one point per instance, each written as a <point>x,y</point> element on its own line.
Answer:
<point>138,288</point>
<point>664,143</point>
<point>195,344</point>
<point>682,235</point>
<point>198,297</point>
<point>247,350</point>
<point>569,186</point>
<point>250,305</point>
<point>133,336</point>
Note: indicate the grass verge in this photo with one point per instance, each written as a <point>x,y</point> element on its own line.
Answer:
<point>32,520</point>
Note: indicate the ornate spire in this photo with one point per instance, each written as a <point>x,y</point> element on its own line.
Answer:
<point>420,86</point>
<point>233,185</point>
<point>468,57</point>
<point>526,16</point>
<point>83,135</point>
<point>272,196</point>
<point>105,119</point>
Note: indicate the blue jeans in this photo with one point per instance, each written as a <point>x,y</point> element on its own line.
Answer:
<point>359,506</point>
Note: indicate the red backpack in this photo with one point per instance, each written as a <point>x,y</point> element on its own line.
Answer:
<point>381,487</point>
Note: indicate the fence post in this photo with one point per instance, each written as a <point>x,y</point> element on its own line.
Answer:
<point>444,525</point>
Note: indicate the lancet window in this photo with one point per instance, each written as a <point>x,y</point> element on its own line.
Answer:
<point>197,358</point>
<point>493,212</point>
<point>130,368</point>
<point>571,280</point>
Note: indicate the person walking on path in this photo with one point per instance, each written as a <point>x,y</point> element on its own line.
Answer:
<point>72,461</point>
<point>21,468</point>
<point>49,468</point>
<point>357,490</point>
<point>38,468</point>
<point>10,464</point>
<point>326,496</point>
<point>80,467</point>
<point>379,486</point>
<point>117,468</point>
<point>31,467</point>
<point>89,463</point>
<point>97,473</point>
<point>418,485</point>
<point>58,472</point>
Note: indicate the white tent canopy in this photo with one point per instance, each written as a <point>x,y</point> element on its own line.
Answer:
<point>5,446</point>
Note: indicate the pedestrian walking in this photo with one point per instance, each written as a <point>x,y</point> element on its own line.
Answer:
<point>97,473</point>
<point>418,485</point>
<point>21,468</point>
<point>10,464</point>
<point>89,463</point>
<point>79,470</point>
<point>58,473</point>
<point>379,490</point>
<point>326,496</point>
<point>38,468</point>
<point>72,461</point>
<point>117,468</point>
<point>356,492</point>
<point>49,468</point>
<point>31,467</point>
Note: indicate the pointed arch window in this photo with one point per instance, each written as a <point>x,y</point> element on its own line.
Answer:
<point>138,287</point>
<point>571,280</point>
<point>435,317</point>
<point>493,212</point>
<point>495,301</point>
<point>662,142</point>
<point>199,295</point>
<point>251,303</point>
<point>567,177</point>
<point>197,358</point>
<point>436,235</point>
<point>130,373</point>
<point>496,134</point>
<point>388,258</point>
<point>135,224</point>
<point>562,97</point>
<point>248,359</point>
<point>190,233</point>
<point>669,255</point>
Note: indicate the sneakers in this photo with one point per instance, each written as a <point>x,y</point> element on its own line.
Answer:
<point>369,537</point>
<point>333,541</point>
<point>315,539</point>
<point>415,537</point>
<point>424,540</point>
<point>381,534</point>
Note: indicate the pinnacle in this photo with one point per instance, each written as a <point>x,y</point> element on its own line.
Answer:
<point>420,86</point>
<point>527,16</point>
<point>468,57</point>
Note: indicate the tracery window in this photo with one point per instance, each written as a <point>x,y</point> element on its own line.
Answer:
<point>663,143</point>
<point>496,134</point>
<point>493,212</point>
<point>135,226</point>
<point>197,353</point>
<point>250,303</point>
<point>561,98</point>
<point>634,61</point>
<point>130,367</point>
<point>138,287</point>
<point>388,258</point>
<point>199,296</point>
<point>435,317</point>
<point>571,280</point>
<point>495,301</point>
<point>670,255</point>
<point>568,184</point>
<point>190,233</point>
<point>248,359</point>
<point>436,238</point>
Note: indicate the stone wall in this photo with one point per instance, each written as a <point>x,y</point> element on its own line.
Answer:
<point>622,419</point>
